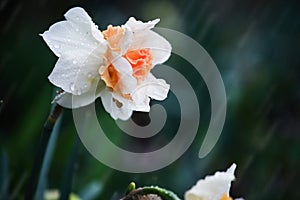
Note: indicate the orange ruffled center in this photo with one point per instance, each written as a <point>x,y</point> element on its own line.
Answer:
<point>139,59</point>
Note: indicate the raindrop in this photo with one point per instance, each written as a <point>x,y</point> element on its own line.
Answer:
<point>74,62</point>
<point>82,43</point>
<point>85,85</point>
<point>56,46</point>
<point>72,87</point>
<point>90,75</point>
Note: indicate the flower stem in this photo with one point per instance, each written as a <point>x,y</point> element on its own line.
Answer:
<point>161,192</point>
<point>47,130</point>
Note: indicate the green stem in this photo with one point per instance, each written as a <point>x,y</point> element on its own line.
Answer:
<point>48,127</point>
<point>161,192</point>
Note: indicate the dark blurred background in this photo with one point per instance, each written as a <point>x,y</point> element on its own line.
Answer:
<point>255,45</point>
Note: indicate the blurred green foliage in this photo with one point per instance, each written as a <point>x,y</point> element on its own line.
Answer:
<point>255,45</point>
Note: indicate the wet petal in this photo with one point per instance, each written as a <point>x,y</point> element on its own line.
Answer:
<point>82,20</point>
<point>69,100</point>
<point>212,187</point>
<point>152,87</point>
<point>80,47</point>
<point>78,32</point>
<point>136,25</point>
<point>127,83</point>
<point>75,74</point>
<point>115,105</point>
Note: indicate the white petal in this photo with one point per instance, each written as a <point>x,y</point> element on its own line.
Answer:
<point>159,47</point>
<point>152,87</point>
<point>80,18</point>
<point>106,98</point>
<point>69,100</point>
<point>78,32</point>
<point>212,187</point>
<point>76,74</point>
<point>120,112</point>
<point>81,48</point>
<point>114,106</point>
<point>127,82</point>
<point>137,25</point>
<point>141,104</point>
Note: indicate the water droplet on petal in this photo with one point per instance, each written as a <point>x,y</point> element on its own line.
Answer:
<point>56,46</point>
<point>72,87</point>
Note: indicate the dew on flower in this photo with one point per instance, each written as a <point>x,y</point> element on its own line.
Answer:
<point>72,87</point>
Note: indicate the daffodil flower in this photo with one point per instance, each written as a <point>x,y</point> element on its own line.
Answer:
<point>215,187</point>
<point>114,64</point>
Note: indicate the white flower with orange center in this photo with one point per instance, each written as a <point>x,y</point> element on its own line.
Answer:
<point>114,64</point>
<point>215,187</point>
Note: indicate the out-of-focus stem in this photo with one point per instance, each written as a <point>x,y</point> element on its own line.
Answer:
<point>47,130</point>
